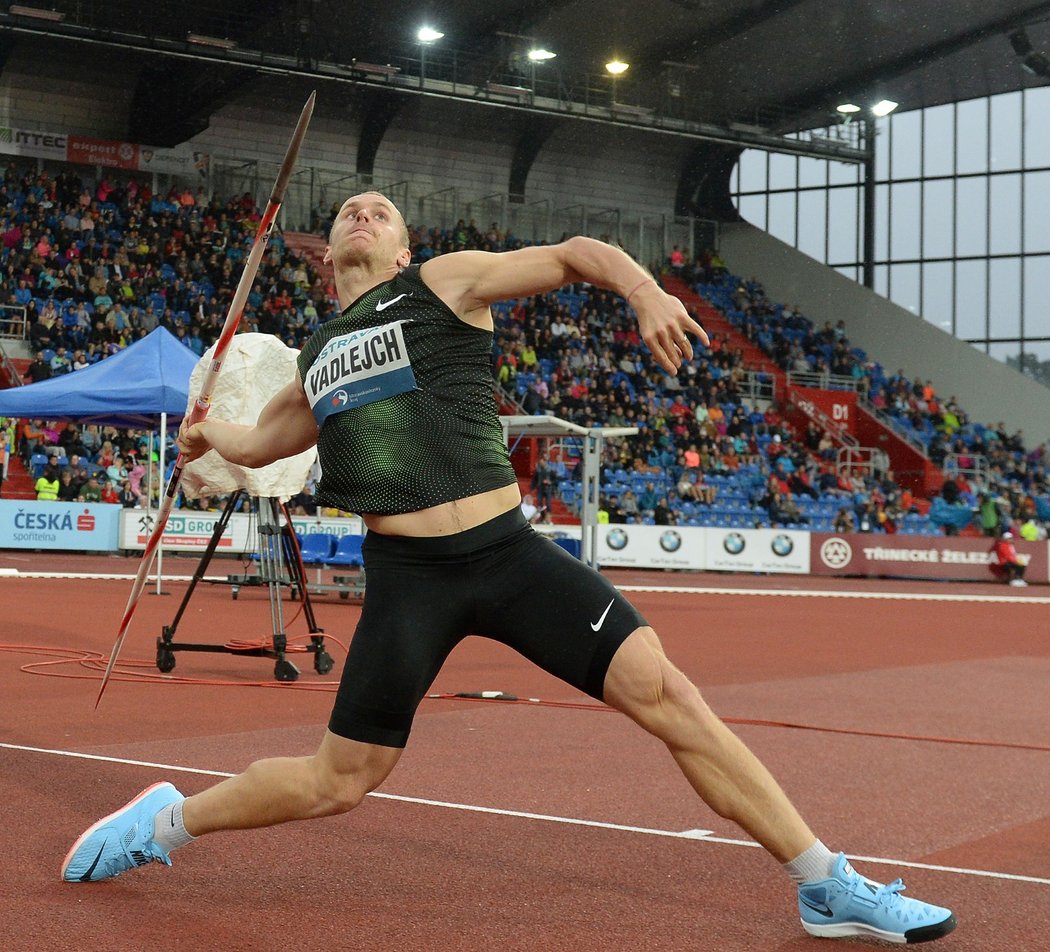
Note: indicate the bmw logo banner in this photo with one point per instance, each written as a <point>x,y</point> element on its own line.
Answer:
<point>757,550</point>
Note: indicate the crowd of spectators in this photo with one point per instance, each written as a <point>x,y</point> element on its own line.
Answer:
<point>988,466</point>
<point>98,266</point>
<point>89,464</point>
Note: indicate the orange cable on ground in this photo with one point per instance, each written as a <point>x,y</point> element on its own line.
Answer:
<point>94,661</point>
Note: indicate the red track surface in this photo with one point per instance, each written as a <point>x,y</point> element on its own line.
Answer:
<point>400,875</point>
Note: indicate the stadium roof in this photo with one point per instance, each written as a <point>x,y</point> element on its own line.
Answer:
<point>776,64</point>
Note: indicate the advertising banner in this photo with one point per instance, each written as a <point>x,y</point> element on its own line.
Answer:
<point>43,145</point>
<point>189,531</point>
<point>950,557</point>
<point>85,150</point>
<point>658,547</point>
<point>757,550</point>
<point>75,526</point>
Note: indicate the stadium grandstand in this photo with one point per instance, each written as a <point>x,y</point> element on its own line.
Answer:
<point>147,222</point>
<point>833,505</point>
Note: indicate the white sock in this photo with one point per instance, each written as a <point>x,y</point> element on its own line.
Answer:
<point>169,832</point>
<point>816,863</point>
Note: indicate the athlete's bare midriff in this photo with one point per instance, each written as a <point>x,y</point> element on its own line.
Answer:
<point>449,517</point>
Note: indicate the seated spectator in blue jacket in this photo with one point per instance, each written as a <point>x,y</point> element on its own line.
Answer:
<point>647,500</point>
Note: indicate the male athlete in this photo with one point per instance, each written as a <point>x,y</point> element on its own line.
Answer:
<point>397,395</point>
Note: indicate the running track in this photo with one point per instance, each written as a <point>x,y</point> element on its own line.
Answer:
<point>531,826</point>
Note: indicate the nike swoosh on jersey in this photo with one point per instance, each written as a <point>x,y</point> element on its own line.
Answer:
<point>601,621</point>
<point>383,305</point>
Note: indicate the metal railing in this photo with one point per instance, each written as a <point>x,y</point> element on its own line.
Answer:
<point>862,460</point>
<point>758,386</point>
<point>13,322</point>
<point>850,456</point>
<point>312,192</point>
<point>971,466</point>
<point>827,381</point>
<point>891,424</point>
<point>9,370</point>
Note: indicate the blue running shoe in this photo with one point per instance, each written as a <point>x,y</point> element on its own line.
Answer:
<point>847,904</point>
<point>122,840</point>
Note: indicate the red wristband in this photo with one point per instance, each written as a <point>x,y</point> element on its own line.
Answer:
<point>637,286</point>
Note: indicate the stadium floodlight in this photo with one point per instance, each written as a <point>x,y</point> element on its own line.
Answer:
<point>427,34</point>
<point>883,107</point>
<point>218,42</point>
<point>539,55</point>
<point>847,108</point>
<point>617,67</point>
<point>36,13</point>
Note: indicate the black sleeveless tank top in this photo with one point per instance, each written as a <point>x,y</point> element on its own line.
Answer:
<point>402,392</point>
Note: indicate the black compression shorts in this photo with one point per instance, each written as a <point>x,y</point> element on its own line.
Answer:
<point>502,580</point>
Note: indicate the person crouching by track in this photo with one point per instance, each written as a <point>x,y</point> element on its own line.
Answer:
<point>1007,566</point>
<point>397,395</point>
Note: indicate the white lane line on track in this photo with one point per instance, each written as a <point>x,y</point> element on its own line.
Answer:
<point>540,817</point>
<point>665,589</point>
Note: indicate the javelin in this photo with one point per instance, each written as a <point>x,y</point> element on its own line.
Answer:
<point>203,403</point>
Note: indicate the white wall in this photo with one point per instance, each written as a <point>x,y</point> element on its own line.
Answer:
<point>987,390</point>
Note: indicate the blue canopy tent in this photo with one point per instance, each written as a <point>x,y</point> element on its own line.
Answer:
<point>133,388</point>
<point>138,387</point>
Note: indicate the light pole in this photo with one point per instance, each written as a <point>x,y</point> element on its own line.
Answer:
<point>426,35</point>
<point>537,55</point>
<point>616,68</point>
<point>867,140</point>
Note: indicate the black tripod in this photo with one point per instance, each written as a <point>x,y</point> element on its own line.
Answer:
<point>278,549</point>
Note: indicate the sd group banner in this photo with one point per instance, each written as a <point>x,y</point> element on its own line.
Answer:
<point>73,526</point>
<point>189,531</point>
<point>934,557</point>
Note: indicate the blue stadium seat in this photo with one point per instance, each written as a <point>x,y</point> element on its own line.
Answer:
<point>37,462</point>
<point>348,551</point>
<point>572,546</point>
<point>318,547</point>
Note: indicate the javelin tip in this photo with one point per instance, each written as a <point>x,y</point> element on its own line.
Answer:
<point>290,157</point>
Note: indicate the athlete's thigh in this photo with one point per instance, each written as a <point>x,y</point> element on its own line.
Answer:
<point>555,610</point>
<point>413,616</point>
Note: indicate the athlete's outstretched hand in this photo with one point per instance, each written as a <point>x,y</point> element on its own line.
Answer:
<point>665,326</point>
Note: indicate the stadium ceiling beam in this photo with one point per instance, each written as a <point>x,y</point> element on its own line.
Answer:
<point>7,44</point>
<point>703,183</point>
<point>712,34</point>
<point>487,29</point>
<point>378,109</point>
<point>174,100</point>
<point>849,86</point>
<point>532,136</point>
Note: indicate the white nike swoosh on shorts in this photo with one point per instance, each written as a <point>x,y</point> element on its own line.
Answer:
<point>601,621</point>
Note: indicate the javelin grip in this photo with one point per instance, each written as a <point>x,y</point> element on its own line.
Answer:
<point>203,401</point>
